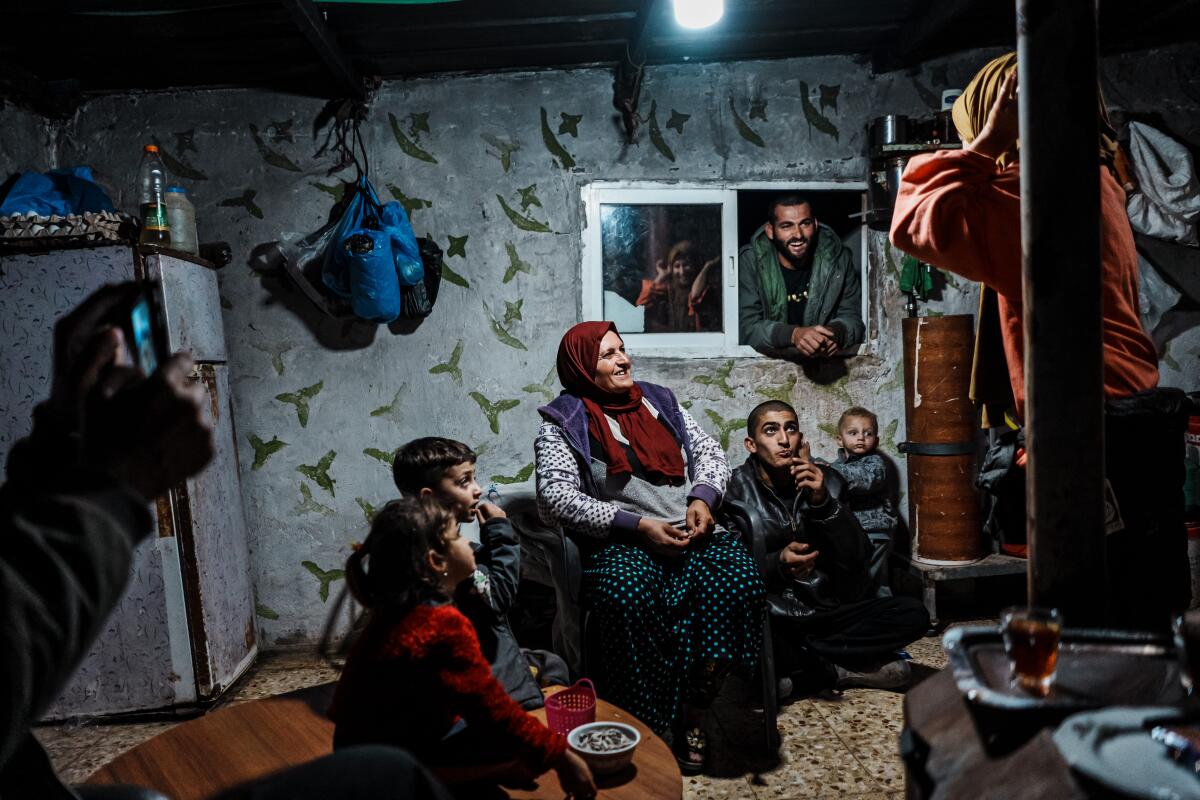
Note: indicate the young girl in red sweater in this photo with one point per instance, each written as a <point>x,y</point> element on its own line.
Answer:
<point>416,678</point>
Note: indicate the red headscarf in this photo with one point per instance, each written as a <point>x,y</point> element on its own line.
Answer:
<point>652,443</point>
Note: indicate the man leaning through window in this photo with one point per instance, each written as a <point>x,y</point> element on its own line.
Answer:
<point>799,292</point>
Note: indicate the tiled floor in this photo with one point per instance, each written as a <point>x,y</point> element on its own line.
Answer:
<point>833,746</point>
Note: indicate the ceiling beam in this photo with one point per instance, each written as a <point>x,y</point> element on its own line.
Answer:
<point>927,31</point>
<point>311,22</point>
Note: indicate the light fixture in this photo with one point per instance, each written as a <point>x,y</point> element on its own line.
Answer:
<point>698,13</point>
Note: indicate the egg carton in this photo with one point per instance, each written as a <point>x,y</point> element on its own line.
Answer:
<point>32,231</point>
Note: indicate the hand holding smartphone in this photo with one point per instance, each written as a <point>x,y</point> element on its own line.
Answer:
<point>144,326</point>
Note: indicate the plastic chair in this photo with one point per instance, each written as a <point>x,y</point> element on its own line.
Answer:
<point>745,521</point>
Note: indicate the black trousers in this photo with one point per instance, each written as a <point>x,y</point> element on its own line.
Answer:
<point>855,633</point>
<point>1148,573</point>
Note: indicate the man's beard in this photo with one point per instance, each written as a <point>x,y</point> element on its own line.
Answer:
<point>781,247</point>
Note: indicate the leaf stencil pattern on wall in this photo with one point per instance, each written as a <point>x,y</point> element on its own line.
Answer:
<point>392,411</point>
<point>411,204</point>
<point>529,197</point>
<point>830,428</point>
<point>758,108</point>
<point>569,124</point>
<point>545,388</point>
<point>724,427</point>
<point>308,505</point>
<point>458,246</point>
<point>246,201</point>
<point>382,456</point>
<point>815,118</point>
<point>177,167</point>
<point>407,145</point>
<point>272,157</point>
<point>493,410</point>
<point>275,351</point>
<point>300,400</point>
<point>515,263</point>
<point>450,276</point>
<point>451,367</point>
<point>337,191</point>
<point>418,123</point>
<point>782,392</point>
<point>325,576</point>
<point>512,311</point>
<point>744,130</point>
<point>887,438</point>
<point>503,335</point>
<point>720,379</point>
<point>367,509</point>
<point>839,389</point>
<point>656,136</point>
<point>504,149</point>
<point>185,142</point>
<point>677,120</point>
<point>523,222</point>
<point>895,383</point>
<point>266,612</point>
<point>281,131</point>
<point>319,473</point>
<point>523,475</point>
<point>264,450</point>
<point>829,96</point>
<point>559,152</point>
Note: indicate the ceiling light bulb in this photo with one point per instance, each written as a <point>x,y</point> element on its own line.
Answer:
<point>698,13</point>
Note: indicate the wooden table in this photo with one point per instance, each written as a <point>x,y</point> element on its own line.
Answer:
<point>254,739</point>
<point>945,757</point>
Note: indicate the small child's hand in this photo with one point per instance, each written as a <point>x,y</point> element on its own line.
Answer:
<point>485,511</point>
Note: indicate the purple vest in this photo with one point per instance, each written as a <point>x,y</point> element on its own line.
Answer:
<point>567,412</point>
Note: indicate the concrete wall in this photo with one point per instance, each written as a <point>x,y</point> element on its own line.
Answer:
<point>26,141</point>
<point>313,397</point>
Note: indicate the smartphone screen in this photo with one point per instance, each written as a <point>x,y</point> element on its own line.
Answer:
<point>143,337</point>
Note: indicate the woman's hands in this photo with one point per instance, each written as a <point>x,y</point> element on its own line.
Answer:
<point>1000,132</point>
<point>700,522</point>
<point>575,776</point>
<point>665,539</point>
<point>662,537</point>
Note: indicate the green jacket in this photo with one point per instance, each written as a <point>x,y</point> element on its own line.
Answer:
<point>834,296</point>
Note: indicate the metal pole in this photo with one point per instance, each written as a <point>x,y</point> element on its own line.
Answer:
<point>1060,244</point>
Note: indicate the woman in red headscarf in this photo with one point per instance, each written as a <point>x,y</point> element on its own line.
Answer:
<point>629,475</point>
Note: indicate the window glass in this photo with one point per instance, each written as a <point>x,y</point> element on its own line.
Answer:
<point>661,267</point>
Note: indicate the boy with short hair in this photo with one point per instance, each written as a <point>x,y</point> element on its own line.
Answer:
<point>445,469</point>
<point>868,492</point>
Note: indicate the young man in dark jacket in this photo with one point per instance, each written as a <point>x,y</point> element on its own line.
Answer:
<point>830,628</point>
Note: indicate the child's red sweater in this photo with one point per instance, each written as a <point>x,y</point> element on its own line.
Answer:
<point>408,681</point>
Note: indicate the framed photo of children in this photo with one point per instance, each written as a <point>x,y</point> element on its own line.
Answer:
<point>660,264</point>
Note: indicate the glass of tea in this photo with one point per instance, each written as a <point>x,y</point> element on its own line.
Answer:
<point>1031,638</point>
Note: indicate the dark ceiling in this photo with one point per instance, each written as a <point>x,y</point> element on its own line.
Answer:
<point>54,52</point>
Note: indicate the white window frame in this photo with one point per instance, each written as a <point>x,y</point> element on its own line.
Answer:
<point>723,344</point>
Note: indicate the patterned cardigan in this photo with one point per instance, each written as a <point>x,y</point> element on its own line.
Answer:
<point>565,490</point>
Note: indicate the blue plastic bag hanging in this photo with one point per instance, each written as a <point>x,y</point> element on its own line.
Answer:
<point>359,263</point>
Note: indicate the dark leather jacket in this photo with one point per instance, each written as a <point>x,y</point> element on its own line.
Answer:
<point>841,574</point>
